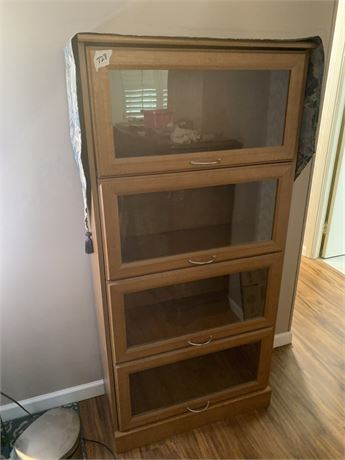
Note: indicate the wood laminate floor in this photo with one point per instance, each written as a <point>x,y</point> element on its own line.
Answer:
<point>306,418</point>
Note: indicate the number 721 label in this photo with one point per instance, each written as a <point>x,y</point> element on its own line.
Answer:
<point>102,58</point>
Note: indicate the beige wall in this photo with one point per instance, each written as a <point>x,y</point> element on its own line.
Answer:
<point>49,338</point>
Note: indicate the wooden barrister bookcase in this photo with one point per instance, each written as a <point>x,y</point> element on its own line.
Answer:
<point>191,148</point>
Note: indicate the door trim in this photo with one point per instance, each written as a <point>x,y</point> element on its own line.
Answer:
<point>174,58</point>
<point>111,188</point>
<point>127,420</point>
<point>117,290</point>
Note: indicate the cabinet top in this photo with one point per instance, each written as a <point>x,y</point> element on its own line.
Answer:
<point>192,42</point>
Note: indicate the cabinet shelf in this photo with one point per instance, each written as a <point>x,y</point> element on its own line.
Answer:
<point>190,379</point>
<point>178,317</point>
<point>154,245</point>
<point>128,143</point>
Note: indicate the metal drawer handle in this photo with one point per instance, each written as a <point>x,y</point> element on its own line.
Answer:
<point>195,411</point>
<point>200,262</point>
<point>205,163</point>
<point>200,344</point>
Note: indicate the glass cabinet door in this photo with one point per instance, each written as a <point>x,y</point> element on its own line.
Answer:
<point>162,224</point>
<point>181,309</point>
<point>164,112</point>
<point>181,110</point>
<point>230,368</point>
<point>197,377</point>
<point>154,223</point>
<point>193,307</point>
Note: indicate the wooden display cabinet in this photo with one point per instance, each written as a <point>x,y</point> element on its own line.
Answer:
<point>191,148</point>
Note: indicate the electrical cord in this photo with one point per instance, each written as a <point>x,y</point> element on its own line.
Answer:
<point>16,402</point>
<point>3,428</point>
<point>4,431</point>
<point>101,444</point>
<point>31,415</point>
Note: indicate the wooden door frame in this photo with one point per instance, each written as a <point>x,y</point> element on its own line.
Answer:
<point>109,165</point>
<point>329,131</point>
<point>117,290</point>
<point>123,371</point>
<point>111,188</point>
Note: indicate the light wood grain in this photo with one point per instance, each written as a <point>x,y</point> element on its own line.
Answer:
<point>306,415</point>
<point>97,258</point>
<point>117,39</point>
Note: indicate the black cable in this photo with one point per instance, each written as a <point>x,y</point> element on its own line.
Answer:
<point>18,404</point>
<point>4,431</point>
<point>25,410</point>
<point>101,444</point>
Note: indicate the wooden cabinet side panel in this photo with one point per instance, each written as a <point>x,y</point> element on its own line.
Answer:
<point>97,258</point>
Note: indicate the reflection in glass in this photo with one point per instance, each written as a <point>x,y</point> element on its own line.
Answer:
<point>173,311</point>
<point>160,112</point>
<point>167,223</point>
<point>179,382</point>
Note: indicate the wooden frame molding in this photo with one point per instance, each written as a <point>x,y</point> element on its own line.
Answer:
<point>123,371</point>
<point>188,42</point>
<point>153,432</point>
<point>107,162</point>
<point>111,189</point>
<point>117,290</point>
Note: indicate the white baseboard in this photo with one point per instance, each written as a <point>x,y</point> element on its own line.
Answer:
<point>54,399</point>
<point>284,338</point>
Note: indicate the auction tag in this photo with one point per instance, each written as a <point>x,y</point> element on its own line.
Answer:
<point>102,58</point>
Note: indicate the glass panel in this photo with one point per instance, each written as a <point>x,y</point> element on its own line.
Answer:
<point>160,112</point>
<point>180,309</point>
<point>179,382</point>
<point>167,223</point>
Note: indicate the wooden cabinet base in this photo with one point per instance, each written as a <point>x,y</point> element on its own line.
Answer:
<point>156,431</point>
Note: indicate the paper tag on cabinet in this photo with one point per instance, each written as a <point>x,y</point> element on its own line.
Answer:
<point>102,58</point>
